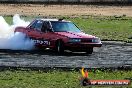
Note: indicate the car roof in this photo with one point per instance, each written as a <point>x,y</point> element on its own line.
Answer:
<point>54,20</point>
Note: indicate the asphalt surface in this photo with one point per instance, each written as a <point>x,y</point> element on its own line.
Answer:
<point>111,54</point>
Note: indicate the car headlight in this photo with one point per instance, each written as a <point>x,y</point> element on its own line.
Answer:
<point>96,40</point>
<point>74,40</point>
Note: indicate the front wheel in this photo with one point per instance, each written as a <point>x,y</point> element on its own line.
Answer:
<point>89,50</point>
<point>60,47</point>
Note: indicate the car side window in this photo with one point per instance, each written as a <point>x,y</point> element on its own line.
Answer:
<point>33,25</point>
<point>46,27</point>
<point>39,25</point>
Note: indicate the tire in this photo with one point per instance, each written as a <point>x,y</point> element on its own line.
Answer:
<point>59,47</point>
<point>89,50</point>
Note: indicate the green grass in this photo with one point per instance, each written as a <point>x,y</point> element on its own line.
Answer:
<point>55,78</point>
<point>107,28</point>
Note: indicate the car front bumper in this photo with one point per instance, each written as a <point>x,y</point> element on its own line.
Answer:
<point>81,46</point>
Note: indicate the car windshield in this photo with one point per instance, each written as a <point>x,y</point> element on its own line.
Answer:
<point>64,27</point>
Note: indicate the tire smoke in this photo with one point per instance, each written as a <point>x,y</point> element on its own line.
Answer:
<point>11,40</point>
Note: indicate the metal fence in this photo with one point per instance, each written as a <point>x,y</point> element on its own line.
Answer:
<point>67,1</point>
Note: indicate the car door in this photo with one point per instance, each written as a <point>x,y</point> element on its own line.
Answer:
<point>46,33</point>
<point>35,33</point>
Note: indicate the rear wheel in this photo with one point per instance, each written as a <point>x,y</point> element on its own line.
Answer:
<point>60,47</point>
<point>89,50</point>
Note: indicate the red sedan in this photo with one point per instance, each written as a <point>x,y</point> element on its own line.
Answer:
<point>59,35</point>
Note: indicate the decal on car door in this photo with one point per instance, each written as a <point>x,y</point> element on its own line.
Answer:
<point>41,42</point>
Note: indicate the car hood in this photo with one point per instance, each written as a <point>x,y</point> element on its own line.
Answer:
<point>75,35</point>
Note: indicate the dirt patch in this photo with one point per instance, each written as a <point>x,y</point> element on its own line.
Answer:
<point>49,10</point>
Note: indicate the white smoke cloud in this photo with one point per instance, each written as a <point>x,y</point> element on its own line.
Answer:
<point>17,21</point>
<point>11,40</point>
